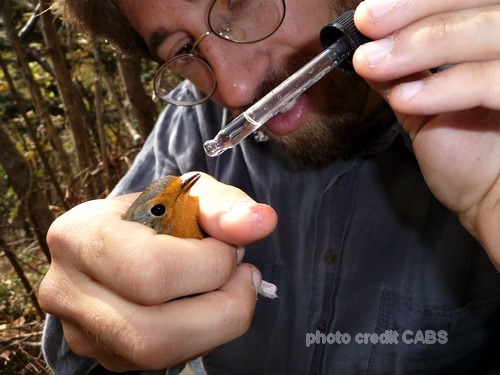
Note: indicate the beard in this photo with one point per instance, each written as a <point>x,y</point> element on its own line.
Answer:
<point>336,124</point>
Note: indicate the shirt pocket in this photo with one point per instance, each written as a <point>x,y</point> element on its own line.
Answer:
<point>431,341</point>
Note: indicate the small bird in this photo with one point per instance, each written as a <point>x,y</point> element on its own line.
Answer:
<point>166,206</point>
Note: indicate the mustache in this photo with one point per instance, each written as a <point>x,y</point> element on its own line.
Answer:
<point>275,77</point>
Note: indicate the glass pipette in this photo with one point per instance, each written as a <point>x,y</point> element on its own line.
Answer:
<point>340,38</point>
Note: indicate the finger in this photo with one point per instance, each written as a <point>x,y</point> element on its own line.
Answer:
<point>59,296</point>
<point>137,263</point>
<point>151,268</point>
<point>460,148</point>
<point>460,87</point>
<point>379,18</point>
<point>449,38</point>
<point>166,334</point>
<point>83,344</point>
<point>230,215</point>
<point>78,339</point>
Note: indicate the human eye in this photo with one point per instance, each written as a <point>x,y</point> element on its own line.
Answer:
<point>229,6</point>
<point>181,47</point>
<point>173,47</point>
<point>186,48</point>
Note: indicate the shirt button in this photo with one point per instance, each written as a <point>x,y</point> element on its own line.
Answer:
<point>321,326</point>
<point>329,257</point>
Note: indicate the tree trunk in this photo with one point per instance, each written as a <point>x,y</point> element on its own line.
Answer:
<point>33,201</point>
<point>36,96</point>
<point>143,107</point>
<point>32,135</point>
<point>72,105</point>
<point>99,111</point>
<point>120,108</point>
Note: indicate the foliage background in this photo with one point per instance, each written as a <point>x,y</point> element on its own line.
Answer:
<point>73,114</point>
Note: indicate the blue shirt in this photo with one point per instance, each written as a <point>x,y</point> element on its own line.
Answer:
<point>374,276</point>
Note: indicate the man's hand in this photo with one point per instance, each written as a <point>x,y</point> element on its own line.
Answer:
<point>452,117</point>
<point>117,285</point>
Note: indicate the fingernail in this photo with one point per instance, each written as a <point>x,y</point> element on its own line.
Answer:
<point>247,210</point>
<point>240,253</point>
<point>377,51</point>
<point>256,280</point>
<point>410,89</point>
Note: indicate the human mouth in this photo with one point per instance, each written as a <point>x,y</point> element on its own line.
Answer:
<point>291,117</point>
<point>289,106</point>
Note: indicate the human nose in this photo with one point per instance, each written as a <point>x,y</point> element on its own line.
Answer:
<point>239,70</point>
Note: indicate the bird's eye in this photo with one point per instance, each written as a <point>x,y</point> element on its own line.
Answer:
<point>158,209</point>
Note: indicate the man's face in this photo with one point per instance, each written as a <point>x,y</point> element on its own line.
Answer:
<point>321,125</point>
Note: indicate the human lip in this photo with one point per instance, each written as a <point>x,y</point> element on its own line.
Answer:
<point>292,117</point>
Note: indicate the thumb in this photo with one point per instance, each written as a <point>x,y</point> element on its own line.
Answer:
<point>230,215</point>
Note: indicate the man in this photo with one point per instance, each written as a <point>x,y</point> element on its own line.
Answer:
<point>388,235</point>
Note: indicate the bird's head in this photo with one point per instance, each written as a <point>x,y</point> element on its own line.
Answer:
<point>164,203</point>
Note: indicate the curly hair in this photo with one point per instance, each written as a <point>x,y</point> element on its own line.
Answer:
<point>102,19</point>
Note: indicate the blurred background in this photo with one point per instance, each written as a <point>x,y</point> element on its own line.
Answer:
<point>73,115</point>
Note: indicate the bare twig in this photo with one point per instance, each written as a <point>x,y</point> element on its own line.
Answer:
<point>11,256</point>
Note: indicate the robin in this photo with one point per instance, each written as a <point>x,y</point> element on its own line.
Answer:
<point>166,206</point>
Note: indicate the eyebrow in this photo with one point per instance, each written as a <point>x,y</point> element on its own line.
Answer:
<point>161,34</point>
<point>156,39</point>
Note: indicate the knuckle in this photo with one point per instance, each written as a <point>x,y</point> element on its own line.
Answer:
<point>79,346</point>
<point>46,293</point>
<point>80,343</point>
<point>55,238</point>
<point>66,236</point>
<point>486,23</point>
<point>438,28</point>
<point>55,292</point>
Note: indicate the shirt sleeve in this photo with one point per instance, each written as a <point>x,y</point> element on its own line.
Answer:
<point>175,146</point>
<point>58,355</point>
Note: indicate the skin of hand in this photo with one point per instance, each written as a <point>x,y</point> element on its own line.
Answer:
<point>453,117</point>
<point>116,285</point>
<point>167,207</point>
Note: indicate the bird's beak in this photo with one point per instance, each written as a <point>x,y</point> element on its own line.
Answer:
<point>189,182</point>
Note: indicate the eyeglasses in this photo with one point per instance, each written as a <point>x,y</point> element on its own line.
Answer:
<point>238,21</point>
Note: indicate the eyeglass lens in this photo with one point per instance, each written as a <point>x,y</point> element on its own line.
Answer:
<point>246,21</point>
<point>180,68</point>
<point>239,21</point>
